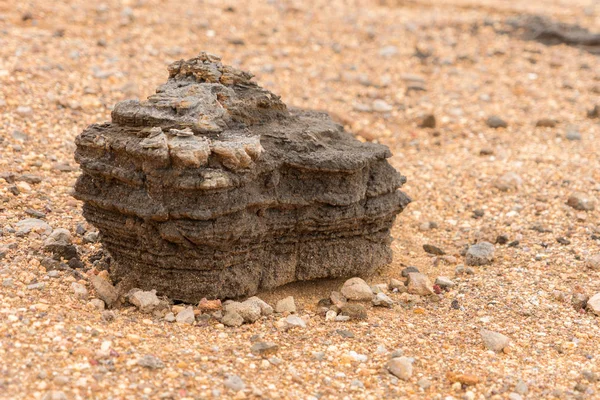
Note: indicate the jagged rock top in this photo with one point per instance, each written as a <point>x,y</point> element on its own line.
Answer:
<point>204,96</point>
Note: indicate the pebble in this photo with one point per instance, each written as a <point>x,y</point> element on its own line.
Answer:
<point>508,181</point>
<point>397,285</point>
<point>337,299</point>
<point>419,284</point>
<point>79,290</point>
<point>480,254</point>
<point>150,362</point>
<point>145,301</point>
<point>286,305</point>
<point>444,282</point>
<point>400,367</point>
<point>424,383</point>
<point>231,318</point>
<point>408,270</point>
<point>24,111</point>
<point>346,334</point>
<point>264,349</point>
<point>265,309</point>
<point>582,202</point>
<point>428,121</point>
<point>546,123</point>
<point>91,237</point>
<point>496,122</point>
<point>59,243</point>
<point>354,311</point>
<point>381,106</point>
<point>572,133</point>
<point>36,286</point>
<point>97,304</point>
<point>250,311</point>
<point>206,305</point>
<point>234,383</point>
<point>170,317</point>
<point>521,387</point>
<point>493,340</point>
<point>594,112</point>
<point>105,291</point>
<point>295,321</point>
<point>593,304</point>
<point>186,316</point>
<point>383,300</point>
<point>25,226</point>
<point>357,289</point>
<point>330,315</point>
<point>431,249</point>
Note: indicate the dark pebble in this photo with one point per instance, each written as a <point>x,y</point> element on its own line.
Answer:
<point>431,249</point>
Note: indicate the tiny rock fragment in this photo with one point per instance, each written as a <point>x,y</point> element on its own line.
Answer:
<point>231,318</point>
<point>209,305</point>
<point>496,122</point>
<point>581,201</point>
<point>546,123</point>
<point>79,290</point>
<point>401,367</point>
<point>493,340</point>
<point>354,311</point>
<point>431,249</point>
<point>444,282</point>
<point>186,316</point>
<point>508,181</point>
<point>357,289</point>
<point>593,262</point>
<point>382,300</point>
<point>59,243</point>
<point>150,362</point>
<point>105,291</point>
<point>480,254</point>
<point>264,349</point>
<point>465,379</point>
<point>295,321</point>
<point>593,304</point>
<point>145,301</point>
<point>234,383</point>
<point>286,305</point>
<point>428,121</point>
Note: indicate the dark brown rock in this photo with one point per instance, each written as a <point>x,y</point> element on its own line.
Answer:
<point>213,188</point>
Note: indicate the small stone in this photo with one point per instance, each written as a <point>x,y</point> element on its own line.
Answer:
<point>357,289</point>
<point>493,340</point>
<point>170,317</point>
<point>408,270</point>
<point>264,349</point>
<point>546,123</point>
<point>330,316</point>
<point>234,383</point>
<point>572,133</point>
<point>419,284</point>
<point>150,362</point>
<point>206,305</point>
<point>444,282</point>
<point>250,311</point>
<point>593,304</point>
<point>295,321</point>
<point>97,304</point>
<point>465,379</point>
<point>580,201</point>
<point>79,290</point>
<point>379,288</point>
<point>346,334</point>
<point>428,121</point>
<point>8,282</point>
<point>105,291</point>
<point>508,181</point>
<point>590,376</point>
<point>496,122</point>
<point>28,225</point>
<point>265,309</point>
<point>109,315</point>
<point>36,286</point>
<point>24,111</point>
<point>383,300</point>
<point>337,299</point>
<point>400,367</point>
<point>480,254</point>
<point>91,237</point>
<point>145,301</point>
<point>424,383</point>
<point>594,112</point>
<point>59,243</point>
<point>231,318</point>
<point>579,301</point>
<point>521,387</point>
<point>342,318</point>
<point>286,305</point>
<point>186,316</point>
<point>381,106</point>
<point>354,311</point>
<point>431,249</point>
<point>396,284</point>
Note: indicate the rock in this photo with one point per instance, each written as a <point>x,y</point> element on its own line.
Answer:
<point>593,304</point>
<point>145,301</point>
<point>265,309</point>
<point>250,311</point>
<point>424,383</point>
<point>428,121</point>
<point>381,106</point>
<point>381,299</point>
<point>354,311</point>
<point>79,290</point>
<point>444,283</point>
<point>480,254</point>
<point>338,299</point>
<point>431,249</point>
<point>508,181</point>
<point>593,262</point>
<point>98,304</point>
<point>581,201</point>
<point>59,243</point>
<point>231,318</point>
<point>90,237</point>
<point>295,321</point>
<point>105,291</point>
<point>496,122</point>
<point>419,284</point>
<point>357,289</point>
<point>218,165</point>
<point>594,112</point>
<point>493,340</point>
<point>408,270</point>
<point>579,301</point>
<point>234,383</point>
<point>28,225</point>
<point>109,315</point>
<point>396,284</point>
<point>330,315</point>
<point>264,349</point>
<point>24,111</point>
<point>286,305</point>
<point>186,316</point>
<point>206,305</point>
<point>400,367</point>
<point>465,379</point>
<point>170,317</point>
<point>521,387</point>
<point>150,362</point>
<point>546,123</point>
<point>572,133</point>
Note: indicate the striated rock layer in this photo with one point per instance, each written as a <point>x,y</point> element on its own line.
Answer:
<point>213,188</point>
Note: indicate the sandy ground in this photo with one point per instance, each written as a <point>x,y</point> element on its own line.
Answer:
<point>64,64</point>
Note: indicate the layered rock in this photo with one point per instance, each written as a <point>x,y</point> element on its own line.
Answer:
<point>213,188</point>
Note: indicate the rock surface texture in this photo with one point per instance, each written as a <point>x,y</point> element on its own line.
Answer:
<point>213,188</point>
